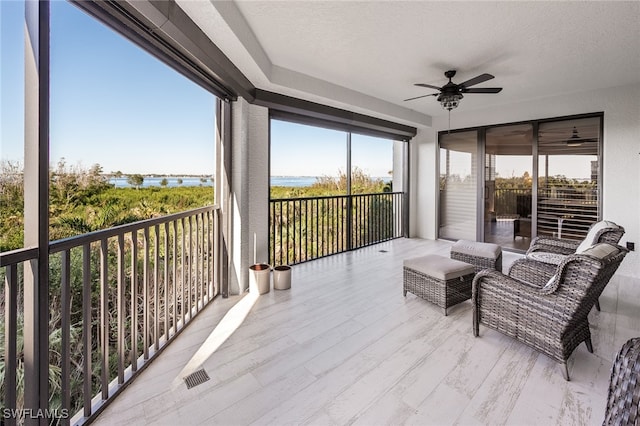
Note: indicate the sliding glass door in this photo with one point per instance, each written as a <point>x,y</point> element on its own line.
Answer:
<point>568,177</point>
<point>506,184</point>
<point>458,185</point>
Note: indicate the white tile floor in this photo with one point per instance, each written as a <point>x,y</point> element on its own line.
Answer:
<point>343,346</point>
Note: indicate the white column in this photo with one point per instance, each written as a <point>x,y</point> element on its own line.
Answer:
<point>424,185</point>
<point>398,166</point>
<point>249,191</point>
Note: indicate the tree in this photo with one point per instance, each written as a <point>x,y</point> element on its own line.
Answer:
<point>164,182</point>
<point>179,181</point>
<point>135,180</point>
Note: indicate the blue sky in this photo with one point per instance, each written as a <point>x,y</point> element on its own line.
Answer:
<point>115,105</point>
<point>300,150</point>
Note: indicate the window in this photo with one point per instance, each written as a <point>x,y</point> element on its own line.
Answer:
<point>332,191</point>
<point>556,192</point>
<point>12,124</point>
<point>130,137</point>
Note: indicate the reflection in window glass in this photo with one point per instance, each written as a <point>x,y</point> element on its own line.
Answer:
<point>568,177</point>
<point>458,185</point>
<point>507,185</point>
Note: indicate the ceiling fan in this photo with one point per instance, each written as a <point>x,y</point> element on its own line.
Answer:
<point>450,94</point>
<point>576,140</point>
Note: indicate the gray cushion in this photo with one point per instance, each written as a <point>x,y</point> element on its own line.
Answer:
<point>438,267</point>
<point>474,248</point>
<point>600,250</point>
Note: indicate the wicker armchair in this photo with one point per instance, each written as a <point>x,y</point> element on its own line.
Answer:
<point>537,272</point>
<point>553,318</point>
<point>623,402</point>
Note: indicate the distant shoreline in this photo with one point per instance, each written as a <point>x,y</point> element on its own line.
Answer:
<point>204,180</point>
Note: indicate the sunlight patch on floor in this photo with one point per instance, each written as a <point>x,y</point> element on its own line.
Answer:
<point>227,326</point>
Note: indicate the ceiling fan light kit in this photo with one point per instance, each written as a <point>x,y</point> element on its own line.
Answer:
<point>450,101</point>
<point>574,140</point>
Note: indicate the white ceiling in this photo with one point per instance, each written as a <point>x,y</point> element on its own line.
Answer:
<point>365,56</point>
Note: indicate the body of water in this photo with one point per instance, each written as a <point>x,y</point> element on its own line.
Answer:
<point>172,182</point>
<point>297,181</point>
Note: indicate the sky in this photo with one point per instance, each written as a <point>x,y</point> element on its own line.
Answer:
<point>301,150</point>
<point>111,102</point>
<point>114,104</point>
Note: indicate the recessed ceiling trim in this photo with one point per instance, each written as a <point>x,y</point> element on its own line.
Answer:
<point>291,79</point>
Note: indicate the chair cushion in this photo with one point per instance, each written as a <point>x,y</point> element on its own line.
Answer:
<point>601,250</point>
<point>545,257</point>
<point>474,248</point>
<point>439,267</point>
<point>590,239</point>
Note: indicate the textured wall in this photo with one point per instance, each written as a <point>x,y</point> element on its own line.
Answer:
<point>249,191</point>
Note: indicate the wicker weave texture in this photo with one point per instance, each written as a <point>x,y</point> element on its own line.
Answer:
<point>439,292</point>
<point>623,402</point>
<point>479,263</point>
<point>532,272</point>
<point>552,319</point>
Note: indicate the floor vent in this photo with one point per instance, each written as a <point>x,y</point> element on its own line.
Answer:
<point>197,378</point>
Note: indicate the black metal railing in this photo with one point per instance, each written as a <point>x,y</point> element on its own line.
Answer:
<point>512,201</point>
<point>302,229</point>
<point>118,296</point>
<point>564,210</point>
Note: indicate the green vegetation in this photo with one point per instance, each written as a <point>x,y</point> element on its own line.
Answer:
<point>361,183</point>
<point>306,230</point>
<point>82,201</point>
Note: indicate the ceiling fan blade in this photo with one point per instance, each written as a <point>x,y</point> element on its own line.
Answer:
<point>427,85</point>
<point>423,96</point>
<point>483,90</point>
<point>476,80</point>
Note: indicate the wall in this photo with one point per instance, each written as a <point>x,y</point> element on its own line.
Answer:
<point>621,156</point>
<point>249,191</point>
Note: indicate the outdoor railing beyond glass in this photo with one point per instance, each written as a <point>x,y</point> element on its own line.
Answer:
<point>117,297</point>
<point>564,210</point>
<point>303,229</point>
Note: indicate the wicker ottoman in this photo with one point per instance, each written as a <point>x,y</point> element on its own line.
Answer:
<point>480,255</point>
<point>439,280</point>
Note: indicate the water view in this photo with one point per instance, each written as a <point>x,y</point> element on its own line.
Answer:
<point>175,181</point>
<point>172,182</point>
<point>304,181</point>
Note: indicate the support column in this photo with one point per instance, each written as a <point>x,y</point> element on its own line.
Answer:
<point>249,195</point>
<point>36,208</point>
<point>223,183</point>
